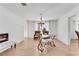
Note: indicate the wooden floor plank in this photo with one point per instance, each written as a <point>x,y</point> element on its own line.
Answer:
<point>29,48</point>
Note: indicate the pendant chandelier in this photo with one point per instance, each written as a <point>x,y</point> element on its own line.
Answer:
<point>41,22</point>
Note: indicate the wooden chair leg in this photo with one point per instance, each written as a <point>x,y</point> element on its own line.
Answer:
<point>52,44</point>
<point>38,47</point>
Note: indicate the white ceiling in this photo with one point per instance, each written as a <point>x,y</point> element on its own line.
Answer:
<point>32,10</point>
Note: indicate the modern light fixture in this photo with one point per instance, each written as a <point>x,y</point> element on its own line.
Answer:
<point>41,19</point>
<point>23,4</point>
<point>41,22</point>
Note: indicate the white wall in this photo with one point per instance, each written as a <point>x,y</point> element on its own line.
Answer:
<point>77,22</point>
<point>25,29</point>
<point>12,24</point>
<point>72,27</point>
<point>63,31</point>
<point>53,27</point>
<point>30,29</point>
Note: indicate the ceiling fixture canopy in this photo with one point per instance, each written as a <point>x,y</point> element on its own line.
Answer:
<point>23,4</point>
<point>41,22</point>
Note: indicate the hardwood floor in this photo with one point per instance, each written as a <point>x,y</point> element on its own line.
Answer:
<point>29,48</point>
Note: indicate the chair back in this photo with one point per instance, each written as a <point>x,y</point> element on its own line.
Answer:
<point>77,33</point>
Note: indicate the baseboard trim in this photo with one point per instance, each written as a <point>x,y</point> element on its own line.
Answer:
<point>28,37</point>
<point>20,41</point>
<point>62,42</point>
